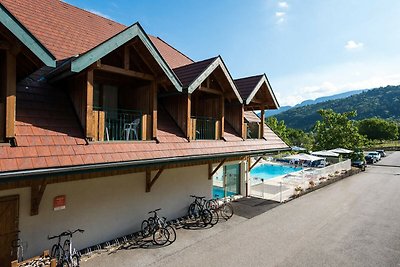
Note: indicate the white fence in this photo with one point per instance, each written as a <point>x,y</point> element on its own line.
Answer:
<point>283,187</point>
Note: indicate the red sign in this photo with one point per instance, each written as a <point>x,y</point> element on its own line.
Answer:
<point>59,202</point>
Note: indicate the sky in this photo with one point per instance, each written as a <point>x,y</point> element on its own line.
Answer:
<point>307,48</point>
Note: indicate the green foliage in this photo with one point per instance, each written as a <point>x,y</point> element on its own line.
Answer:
<point>381,102</point>
<point>278,127</point>
<point>378,129</point>
<point>337,130</point>
<point>300,138</point>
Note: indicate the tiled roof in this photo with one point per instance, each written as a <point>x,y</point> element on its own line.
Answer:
<point>247,85</point>
<point>187,74</point>
<point>49,135</point>
<point>66,30</point>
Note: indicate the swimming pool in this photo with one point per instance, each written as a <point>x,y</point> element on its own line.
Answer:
<point>218,192</point>
<point>269,171</point>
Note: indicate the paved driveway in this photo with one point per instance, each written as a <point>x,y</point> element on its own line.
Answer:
<point>354,222</point>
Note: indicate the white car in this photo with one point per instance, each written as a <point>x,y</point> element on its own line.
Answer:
<point>375,155</point>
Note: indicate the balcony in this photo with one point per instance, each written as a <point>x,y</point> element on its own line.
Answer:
<point>118,124</point>
<point>253,130</point>
<point>204,128</point>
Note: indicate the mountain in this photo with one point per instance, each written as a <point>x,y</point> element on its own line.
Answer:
<point>274,112</point>
<point>381,102</point>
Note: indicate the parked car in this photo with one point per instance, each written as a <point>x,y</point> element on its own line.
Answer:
<point>381,152</point>
<point>373,157</point>
<point>359,164</point>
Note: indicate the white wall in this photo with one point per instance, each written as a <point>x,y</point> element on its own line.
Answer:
<point>108,207</point>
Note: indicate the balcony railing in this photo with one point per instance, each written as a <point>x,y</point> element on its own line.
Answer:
<point>253,130</point>
<point>204,128</point>
<point>118,124</point>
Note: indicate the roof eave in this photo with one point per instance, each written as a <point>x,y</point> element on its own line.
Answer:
<point>28,174</point>
<point>96,53</point>
<point>27,38</point>
<point>263,79</point>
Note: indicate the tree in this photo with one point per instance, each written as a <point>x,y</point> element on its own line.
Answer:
<point>378,129</point>
<point>337,130</point>
<point>278,127</point>
<point>300,138</point>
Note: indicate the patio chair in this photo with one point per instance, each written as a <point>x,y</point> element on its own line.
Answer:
<point>132,128</point>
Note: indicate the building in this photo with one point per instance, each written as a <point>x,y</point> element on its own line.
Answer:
<point>101,122</point>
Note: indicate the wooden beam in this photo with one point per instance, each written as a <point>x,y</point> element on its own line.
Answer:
<point>244,125</point>
<point>130,73</point>
<point>4,45</point>
<point>89,104</point>
<point>149,181</point>
<point>222,106</point>
<point>262,122</point>
<point>210,174</point>
<point>153,109</point>
<point>188,117</point>
<point>210,90</point>
<point>255,163</point>
<point>37,191</point>
<point>11,93</point>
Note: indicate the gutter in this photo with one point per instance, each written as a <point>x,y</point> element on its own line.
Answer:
<point>41,173</point>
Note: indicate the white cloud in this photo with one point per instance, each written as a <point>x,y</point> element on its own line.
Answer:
<point>98,13</point>
<point>283,5</point>
<point>293,89</point>
<point>351,45</point>
<point>281,16</point>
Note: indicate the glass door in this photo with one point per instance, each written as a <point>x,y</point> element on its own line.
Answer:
<point>232,180</point>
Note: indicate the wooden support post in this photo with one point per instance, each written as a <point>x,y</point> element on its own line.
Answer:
<point>11,93</point>
<point>37,191</point>
<point>262,122</point>
<point>188,119</point>
<point>89,104</point>
<point>153,108</point>
<point>222,117</point>
<point>149,181</point>
<point>255,163</point>
<point>209,171</point>
<point>244,125</point>
<point>210,174</point>
<point>145,121</point>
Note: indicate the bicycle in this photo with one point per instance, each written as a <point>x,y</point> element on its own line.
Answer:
<point>57,251</point>
<point>199,211</point>
<point>156,226</point>
<point>226,208</point>
<point>17,246</point>
<point>71,257</point>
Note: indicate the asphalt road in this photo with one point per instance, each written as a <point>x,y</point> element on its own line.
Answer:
<point>354,222</point>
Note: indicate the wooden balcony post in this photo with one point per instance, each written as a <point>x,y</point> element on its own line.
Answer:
<point>262,122</point>
<point>11,93</point>
<point>188,117</point>
<point>89,105</point>
<point>222,118</point>
<point>244,125</point>
<point>153,109</point>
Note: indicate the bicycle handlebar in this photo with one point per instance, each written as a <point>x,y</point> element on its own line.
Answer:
<point>154,211</point>
<point>66,233</point>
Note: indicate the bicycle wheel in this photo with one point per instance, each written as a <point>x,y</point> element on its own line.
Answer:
<point>212,204</point>
<point>145,228</point>
<point>172,233</point>
<point>206,217</point>
<point>161,236</point>
<point>65,263</point>
<point>227,211</point>
<point>215,217</point>
<point>56,253</point>
<point>75,260</point>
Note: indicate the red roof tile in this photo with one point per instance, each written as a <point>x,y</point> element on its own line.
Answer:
<point>66,30</point>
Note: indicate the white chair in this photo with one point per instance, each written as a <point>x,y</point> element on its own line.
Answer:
<point>132,127</point>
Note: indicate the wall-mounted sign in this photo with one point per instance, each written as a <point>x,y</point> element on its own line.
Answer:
<point>59,202</point>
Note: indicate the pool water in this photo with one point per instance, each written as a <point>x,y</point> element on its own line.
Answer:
<point>218,192</point>
<point>269,171</point>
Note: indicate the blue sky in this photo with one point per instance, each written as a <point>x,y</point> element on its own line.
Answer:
<point>307,48</point>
